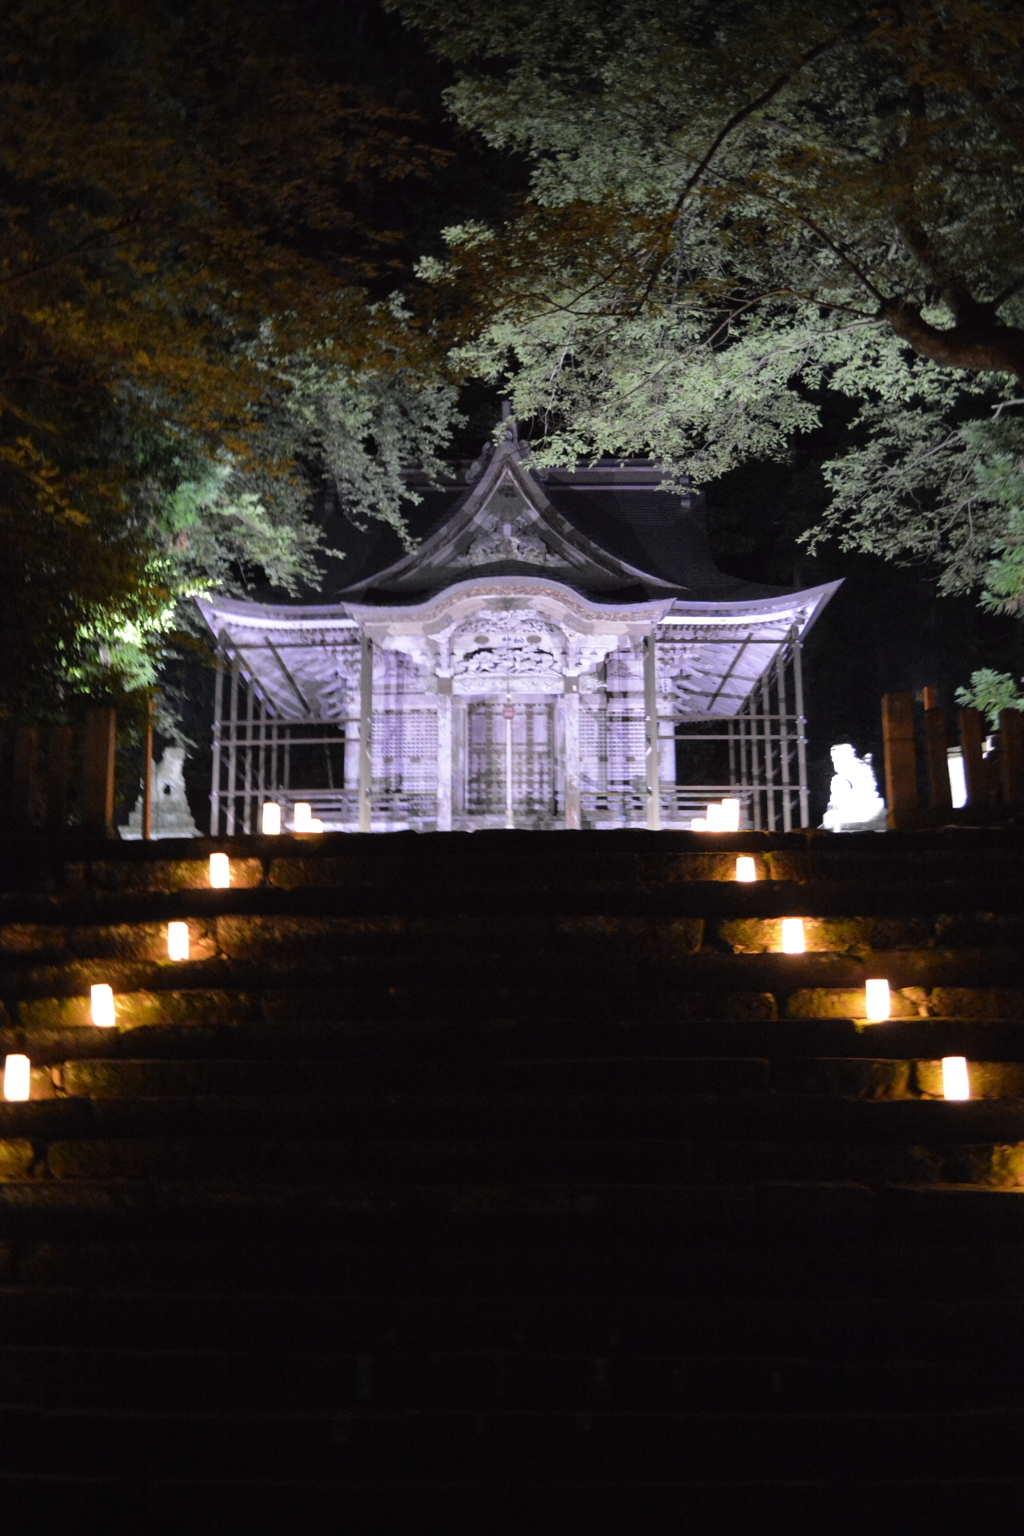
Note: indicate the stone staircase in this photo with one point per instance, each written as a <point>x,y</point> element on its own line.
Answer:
<point>514,1182</point>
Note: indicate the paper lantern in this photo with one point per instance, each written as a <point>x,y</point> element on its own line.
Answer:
<point>746,869</point>
<point>17,1078</point>
<point>793,936</point>
<point>271,818</point>
<point>956,1084</point>
<point>177,941</point>
<point>302,816</point>
<point>102,1000</point>
<point>220,871</point>
<point>876,1000</point>
<point>698,824</point>
<point>730,815</point>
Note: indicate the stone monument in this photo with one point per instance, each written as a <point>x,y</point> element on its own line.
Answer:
<point>170,816</point>
<point>854,803</point>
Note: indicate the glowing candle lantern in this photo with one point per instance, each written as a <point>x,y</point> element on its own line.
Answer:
<point>876,1000</point>
<point>177,941</point>
<point>956,1084</point>
<point>746,869</point>
<point>793,936</point>
<point>698,824</point>
<point>302,817</point>
<point>715,819</point>
<point>103,1013</point>
<point>730,815</point>
<point>17,1078</point>
<point>271,818</point>
<point>220,871</point>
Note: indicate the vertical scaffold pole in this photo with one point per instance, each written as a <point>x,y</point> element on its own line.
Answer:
<point>232,745</point>
<point>801,728</point>
<point>218,705</point>
<point>653,780</point>
<point>365,734</point>
<point>785,740</point>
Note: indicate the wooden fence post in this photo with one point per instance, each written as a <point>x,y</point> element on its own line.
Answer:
<point>971,743</point>
<point>900,757</point>
<point>1011,725</point>
<point>60,748</point>
<point>25,777</point>
<point>98,774</point>
<point>940,794</point>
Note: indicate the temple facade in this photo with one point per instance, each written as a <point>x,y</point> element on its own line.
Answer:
<point>559,650</point>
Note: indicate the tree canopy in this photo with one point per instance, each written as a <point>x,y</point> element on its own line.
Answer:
<point>735,207</point>
<point>194,322</point>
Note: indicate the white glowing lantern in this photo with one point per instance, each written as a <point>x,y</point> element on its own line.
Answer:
<point>271,818</point>
<point>303,819</point>
<point>698,824</point>
<point>793,936</point>
<point>876,999</point>
<point>102,1000</point>
<point>746,869</point>
<point>730,815</point>
<point>956,1084</point>
<point>220,871</point>
<point>177,941</point>
<point>714,818</point>
<point>17,1078</point>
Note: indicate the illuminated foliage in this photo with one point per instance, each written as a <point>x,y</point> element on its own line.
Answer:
<point>734,208</point>
<point>180,233</point>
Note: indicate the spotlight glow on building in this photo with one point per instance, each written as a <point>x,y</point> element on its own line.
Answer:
<point>271,822</point>
<point>17,1078</point>
<point>177,941</point>
<point>102,1005</point>
<point>956,1082</point>
<point>793,936</point>
<point>746,869</point>
<point>877,1002</point>
<point>220,871</point>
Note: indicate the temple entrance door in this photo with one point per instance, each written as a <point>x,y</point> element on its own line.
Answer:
<point>487,759</point>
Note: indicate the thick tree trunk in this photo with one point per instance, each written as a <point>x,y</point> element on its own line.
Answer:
<point>984,347</point>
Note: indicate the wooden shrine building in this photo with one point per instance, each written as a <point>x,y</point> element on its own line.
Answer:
<point>560,650</point>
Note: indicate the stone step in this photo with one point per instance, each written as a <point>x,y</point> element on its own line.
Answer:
<point>606,1443</point>
<point>297,1157</point>
<point>536,1211</point>
<point>897,1498</point>
<point>714,1104</point>
<point>443,1049</point>
<point>562,1306</point>
<point>857,1077</point>
<point>169,1381</point>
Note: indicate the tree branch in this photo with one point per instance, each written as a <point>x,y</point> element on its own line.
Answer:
<point>989,348</point>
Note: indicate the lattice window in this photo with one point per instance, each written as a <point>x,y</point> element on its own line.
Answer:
<point>405,750</point>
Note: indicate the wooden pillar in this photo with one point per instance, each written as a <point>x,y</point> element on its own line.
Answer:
<point>98,771</point>
<point>940,794</point>
<point>365,734</point>
<point>571,705</point>
<point>1011,726</point>
<point>25,778</point>
<point>59,763</point>
<point>972,734</point>
<point>444,752</point>
<point>900,755</point>
<point>653,780</point>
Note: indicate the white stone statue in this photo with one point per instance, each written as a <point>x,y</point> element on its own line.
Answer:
<point>170,815</point>
<point>854,802</point>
